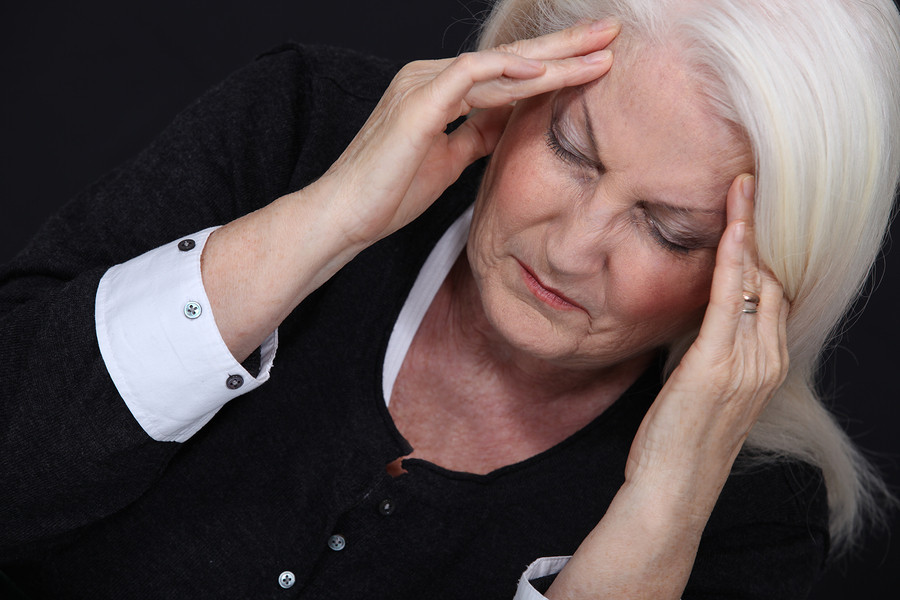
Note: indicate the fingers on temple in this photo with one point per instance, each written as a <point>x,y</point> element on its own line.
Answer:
<point>579,40</point>
<point>757,279</point>
<point>767,326</point>
<point>730,275</point>
<point>486,79</point>
<point>740,206</point>
<point>514,71</point>
<point>526,68</point>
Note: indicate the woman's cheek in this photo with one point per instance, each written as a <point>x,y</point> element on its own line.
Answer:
<point>517,197</point>
<point>663,290</point>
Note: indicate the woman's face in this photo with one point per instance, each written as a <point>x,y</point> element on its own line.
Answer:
<point>596,226</point>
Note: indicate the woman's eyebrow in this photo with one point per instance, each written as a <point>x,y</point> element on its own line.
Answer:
<point>685,211</point>
<point>684,224</point>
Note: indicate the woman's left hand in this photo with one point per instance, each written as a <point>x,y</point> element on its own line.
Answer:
<point>644,547</point>
<point>705,411</point>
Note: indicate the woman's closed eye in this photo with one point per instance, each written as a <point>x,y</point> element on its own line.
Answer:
<point>675,238</point>
<point>567,152</point>
<point>659,236</point>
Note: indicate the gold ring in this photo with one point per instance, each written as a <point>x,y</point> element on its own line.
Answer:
<point>751,297</point>
<point>751,302</point>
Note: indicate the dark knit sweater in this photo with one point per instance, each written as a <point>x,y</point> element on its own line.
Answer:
<point>91,507</point>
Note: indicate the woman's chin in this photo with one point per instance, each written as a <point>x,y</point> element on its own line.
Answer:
<point>531,335</point>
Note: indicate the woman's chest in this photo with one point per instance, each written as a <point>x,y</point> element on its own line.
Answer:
<point>466,420</point>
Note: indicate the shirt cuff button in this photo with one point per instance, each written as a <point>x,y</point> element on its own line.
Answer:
<point>234,382</point>
<point>185,245</point>
<point>192,310</point>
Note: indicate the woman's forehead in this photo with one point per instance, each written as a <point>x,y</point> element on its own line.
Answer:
<point>652,122</point>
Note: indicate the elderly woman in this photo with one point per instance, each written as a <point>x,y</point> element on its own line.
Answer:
<point>609,356</point>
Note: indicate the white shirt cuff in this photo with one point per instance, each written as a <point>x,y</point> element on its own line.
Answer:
<point>160,343</point>
<point>539,568</point>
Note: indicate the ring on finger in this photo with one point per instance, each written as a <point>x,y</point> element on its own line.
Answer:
<point>751,302</point>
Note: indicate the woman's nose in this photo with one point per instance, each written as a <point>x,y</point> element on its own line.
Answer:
<point>582,238</point>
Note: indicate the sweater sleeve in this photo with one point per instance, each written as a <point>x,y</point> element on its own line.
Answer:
<point>71,452</point>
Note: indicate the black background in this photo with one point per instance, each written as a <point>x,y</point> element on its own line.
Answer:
<point>87,85</point>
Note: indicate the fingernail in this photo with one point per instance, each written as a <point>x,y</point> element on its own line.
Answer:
<point>748,187</point>
<point>604,24</point>
<point>597,57</point>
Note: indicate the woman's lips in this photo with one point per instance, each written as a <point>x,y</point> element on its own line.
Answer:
<point>546,294</point>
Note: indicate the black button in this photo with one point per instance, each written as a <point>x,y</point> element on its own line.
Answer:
<point>185,245</point>
<point>234,382</point>
<point>386,506</point>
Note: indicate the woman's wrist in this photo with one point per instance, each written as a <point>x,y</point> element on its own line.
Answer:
<point>644,547</point>
<point>258,268</point>
<point>688,481</point>
<point>331,210</point>
<point>683,498</point>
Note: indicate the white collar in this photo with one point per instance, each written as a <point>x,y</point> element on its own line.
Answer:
<point>429,280</point>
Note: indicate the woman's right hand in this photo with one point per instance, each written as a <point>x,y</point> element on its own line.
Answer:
<point>397,165</point>
<point>403,159</point>
<point>257,269</point>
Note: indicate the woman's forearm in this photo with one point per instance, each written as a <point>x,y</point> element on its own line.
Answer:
<point>258,268</point>
<point>644,547</point>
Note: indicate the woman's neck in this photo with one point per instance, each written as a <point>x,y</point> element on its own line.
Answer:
<point>467,400</point>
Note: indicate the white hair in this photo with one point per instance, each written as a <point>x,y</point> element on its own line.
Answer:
<point>815,88</point>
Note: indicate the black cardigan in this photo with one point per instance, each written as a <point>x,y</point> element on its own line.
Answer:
<point>91,507</point>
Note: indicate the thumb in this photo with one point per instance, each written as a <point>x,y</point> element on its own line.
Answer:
<point>478,136</point>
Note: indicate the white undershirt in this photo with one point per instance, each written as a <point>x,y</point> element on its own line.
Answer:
<point>436,268</point>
